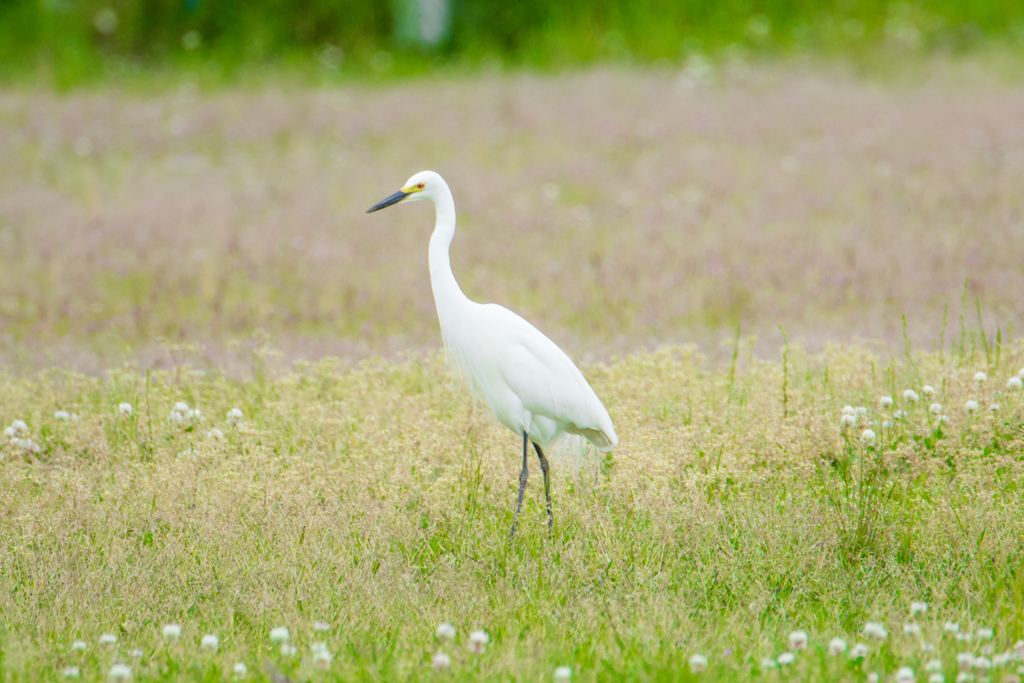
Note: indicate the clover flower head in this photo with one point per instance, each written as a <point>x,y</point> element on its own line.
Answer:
<point>440,661</point>
<point>928,390</point>
<point>445,631</point>
<point>563,673</point>
<point>798,640</point>
<point>478,641</point>
<point>120,672</point>
<point>910,395</point>
<point>698,663</point>
<point>210,642</point>
<point>785,658</point>
<point>836,647</point>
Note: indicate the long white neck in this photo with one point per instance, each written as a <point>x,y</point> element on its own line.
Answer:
<point>447,293</point>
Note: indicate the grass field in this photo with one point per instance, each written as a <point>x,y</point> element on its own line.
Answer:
<point>210,249</point>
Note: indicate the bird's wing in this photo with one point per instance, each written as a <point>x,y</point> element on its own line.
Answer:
<point>546,380</point>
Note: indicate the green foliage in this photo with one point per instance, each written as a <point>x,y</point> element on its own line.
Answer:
<point>70,42</point>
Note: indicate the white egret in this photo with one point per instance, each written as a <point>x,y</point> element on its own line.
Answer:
<point>529,383</point>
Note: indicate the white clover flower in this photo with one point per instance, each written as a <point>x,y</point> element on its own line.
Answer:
<point>867,436</point>
<point>318,646</point>
<point>848,410</point>
<point>905,675</point>
<point>964,660</point>
<point>698,663</point>
<point>928,390</point>
<point>210,642</point>
<point>964,676</point>
<point>1002,659</point>
<point>26,445</point>
<point>888,424</point>
<point>279,634</point>
<point>993,407</point>
<point>9,433</point>
<point>885,401</point>
<point>1014,384</point>
<point>910,395</point>
<point>964,637</point>
<point>911,629</point>
<point>445,631</point>
<point>196,415</point>
<point>936,677</point>
<point>1020,373</point>
<point>124,409</point>
<point>875,630</point>
<point>563,673</point>
<point>174,416</point>
<point>848,421</point>
<point>980,377</point>
<point>288,650</point>
<point>798,640</point>
<point>970,406</point>
<point>172,631</point>
<point>935,409</point>
<point>323,659</point>
<point>234,416</point>
<point>1018,647</point>
<point>873,677</point>
<point>982,663</point>
<point>836,647</point>
<point>121,672</point>
<point>108,639</point>
<point>899,415</point>
<point>240,669</point>
<point>136,653</point>
<point>785,658</point>
<point>478,641</point>
<point>859,651</point>
<point>181,407</point>
<point>78,645</point>
<point>985,634</point>
<point>441,661</point>
<point>861,411</point>
<point>20,428</point>
<point>215,434</point>
<point>933,665</point>
<point>321,626</point>
<point>71,672</point>
<point>62,415</point>
<point>768,663</point>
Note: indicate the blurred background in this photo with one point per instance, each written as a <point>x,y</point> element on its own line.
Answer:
<point>69,41</point>
<point>188,178</point>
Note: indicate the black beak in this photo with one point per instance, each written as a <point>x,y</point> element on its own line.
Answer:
<point>393,199</point>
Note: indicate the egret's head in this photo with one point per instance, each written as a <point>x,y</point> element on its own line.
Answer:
<point>421,187</point>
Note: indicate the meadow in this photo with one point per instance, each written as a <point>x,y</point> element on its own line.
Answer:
<point>226,411</point>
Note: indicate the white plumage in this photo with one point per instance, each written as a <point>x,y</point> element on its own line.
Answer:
<point>529,383</point>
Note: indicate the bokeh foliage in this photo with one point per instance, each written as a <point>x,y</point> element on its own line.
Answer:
<point>68,42</point>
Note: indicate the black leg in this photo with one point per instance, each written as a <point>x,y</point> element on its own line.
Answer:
<point>547,484</point>
<point>522,486</point>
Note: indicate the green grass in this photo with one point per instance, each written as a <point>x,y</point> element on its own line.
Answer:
<point>65,45</point>
<point>378,499</point>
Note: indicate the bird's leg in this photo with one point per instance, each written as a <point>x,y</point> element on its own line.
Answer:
<point>522,485</point>
<point>547,484</point>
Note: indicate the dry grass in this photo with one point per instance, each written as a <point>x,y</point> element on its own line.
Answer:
<point>379,501</point>
<point>760,197</point>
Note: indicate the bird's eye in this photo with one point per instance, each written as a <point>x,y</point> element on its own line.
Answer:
<point>419,186</point>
